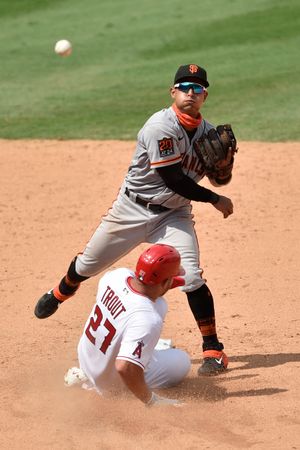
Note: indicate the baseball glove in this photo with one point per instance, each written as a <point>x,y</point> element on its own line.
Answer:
<point>216,152</point>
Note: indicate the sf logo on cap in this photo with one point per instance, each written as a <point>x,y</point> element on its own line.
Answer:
<point>193,68</point>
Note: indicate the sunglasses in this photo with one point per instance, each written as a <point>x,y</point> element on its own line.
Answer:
<point>186,86</point>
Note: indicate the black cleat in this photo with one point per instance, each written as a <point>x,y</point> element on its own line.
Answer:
<point>214,362</point>
<point>46,306</point>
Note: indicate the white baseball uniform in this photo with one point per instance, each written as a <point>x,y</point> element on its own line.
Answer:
<point>125,324</point>
<point>161,142</point>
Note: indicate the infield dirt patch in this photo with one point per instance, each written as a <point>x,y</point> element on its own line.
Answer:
<point>53,194</point>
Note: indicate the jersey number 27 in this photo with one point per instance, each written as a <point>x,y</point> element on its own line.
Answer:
<point>94,324</point>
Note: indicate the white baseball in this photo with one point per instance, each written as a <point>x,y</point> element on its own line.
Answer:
<point>63,47</point>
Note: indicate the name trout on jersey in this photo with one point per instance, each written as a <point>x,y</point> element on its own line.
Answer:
<point>112,302</point>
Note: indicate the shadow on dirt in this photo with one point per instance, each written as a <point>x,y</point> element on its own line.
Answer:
<point>256,360</point>
<point>210,388</point>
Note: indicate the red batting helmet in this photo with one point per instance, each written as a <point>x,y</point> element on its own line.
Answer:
<point>158,263</point>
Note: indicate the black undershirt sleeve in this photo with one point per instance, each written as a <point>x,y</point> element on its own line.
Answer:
<point>180,183</point>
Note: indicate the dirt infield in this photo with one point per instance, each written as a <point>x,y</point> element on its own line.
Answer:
<point>53,194</point>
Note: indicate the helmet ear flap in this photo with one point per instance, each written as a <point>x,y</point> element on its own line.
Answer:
<point>177,281</point>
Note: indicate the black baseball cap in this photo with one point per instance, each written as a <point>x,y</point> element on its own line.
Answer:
<point>191,71</point>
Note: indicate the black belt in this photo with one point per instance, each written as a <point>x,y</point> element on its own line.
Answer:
<point>152,206</point>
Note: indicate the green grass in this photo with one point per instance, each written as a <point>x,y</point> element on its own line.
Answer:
<point>125,55</point>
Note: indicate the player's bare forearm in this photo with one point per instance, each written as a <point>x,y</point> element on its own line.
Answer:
<point>133,377</point>
<point>224,205</point>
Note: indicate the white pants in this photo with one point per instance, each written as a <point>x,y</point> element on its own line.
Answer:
<point>128,224</point>
<point>167,368</point>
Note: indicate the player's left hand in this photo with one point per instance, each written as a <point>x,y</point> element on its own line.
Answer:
<point>226,161</point>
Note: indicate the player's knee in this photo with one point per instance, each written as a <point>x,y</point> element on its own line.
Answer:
<point>193,280</point>
<point>181,365</point>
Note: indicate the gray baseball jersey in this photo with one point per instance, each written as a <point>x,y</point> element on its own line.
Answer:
<point>162,142</point>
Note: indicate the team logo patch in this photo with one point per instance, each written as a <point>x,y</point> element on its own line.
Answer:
<point>193,68</point>
<point>138,351</point>
<point>166,147</point>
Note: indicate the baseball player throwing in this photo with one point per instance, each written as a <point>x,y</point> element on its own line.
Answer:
<point>117,346</point>
<point>175,149</point>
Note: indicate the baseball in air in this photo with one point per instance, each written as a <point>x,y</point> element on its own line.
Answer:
<point>63,47</point>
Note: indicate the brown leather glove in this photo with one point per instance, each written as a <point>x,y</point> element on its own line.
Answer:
<point>216,152</point>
